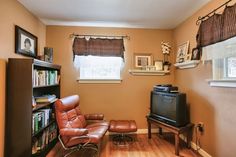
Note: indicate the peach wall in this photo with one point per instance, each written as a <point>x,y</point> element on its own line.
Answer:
<point>128,100</point>
<point>213,106</point>
<point>2,103</point>
<point>13,13</point>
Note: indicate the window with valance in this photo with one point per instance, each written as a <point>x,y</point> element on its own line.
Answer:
<point>98,58</point>
<point>216,38</point>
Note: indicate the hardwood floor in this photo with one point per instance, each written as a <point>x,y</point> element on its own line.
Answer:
<point>142,147</point>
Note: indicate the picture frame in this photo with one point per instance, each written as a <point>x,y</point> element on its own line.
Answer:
<point>159,65</point>
<point>183,53</point>
<point>195,54</point>
<point>48,54</point>
<point>25,43</point>
<point>142,60</point>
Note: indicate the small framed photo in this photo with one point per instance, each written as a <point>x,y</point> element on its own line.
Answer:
<point>195,54</point>
<point>142,60</point>
<point>182,53</point>
<point>48,54</point>
<point>159,65</point>
<point>25,42</point>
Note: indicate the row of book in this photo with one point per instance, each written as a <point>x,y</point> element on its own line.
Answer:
<point>41,142</point>
<point>45,98</point>
<point>45,77</point>
<point>40,119</point>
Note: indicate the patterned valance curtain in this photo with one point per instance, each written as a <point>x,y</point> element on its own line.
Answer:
<point>99,47</point>
<point>217,28</point>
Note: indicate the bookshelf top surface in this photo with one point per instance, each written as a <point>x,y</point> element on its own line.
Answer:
<point>38,63</point>
<point>45,64</point>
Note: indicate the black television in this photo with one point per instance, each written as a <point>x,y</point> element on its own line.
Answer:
<point>170,108</point>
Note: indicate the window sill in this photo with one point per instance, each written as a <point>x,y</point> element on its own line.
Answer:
<point>99,81</point>
<point>222,83</point>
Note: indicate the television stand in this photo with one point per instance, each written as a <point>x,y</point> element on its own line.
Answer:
<point>176,130</point>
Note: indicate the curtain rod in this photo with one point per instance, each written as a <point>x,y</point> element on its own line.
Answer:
<point>103,36</point>
<point>200,19</point>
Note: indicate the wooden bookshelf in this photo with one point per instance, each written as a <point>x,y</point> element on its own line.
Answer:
<point>19,110</point>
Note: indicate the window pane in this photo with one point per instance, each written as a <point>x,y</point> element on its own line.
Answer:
<point>231,67</point>
<point>94,67</point>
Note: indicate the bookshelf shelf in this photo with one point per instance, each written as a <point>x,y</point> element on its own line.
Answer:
<point>46,149</point>
<point>46,86</point>
<point>42,129</point>
<point>21,117</point>
<point>42,105</point>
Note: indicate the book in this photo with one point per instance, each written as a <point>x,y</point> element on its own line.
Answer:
<point>45,98</point>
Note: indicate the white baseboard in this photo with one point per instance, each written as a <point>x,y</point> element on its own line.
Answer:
<point>202,152</point>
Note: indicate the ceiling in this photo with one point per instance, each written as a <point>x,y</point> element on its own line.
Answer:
<point>163,14</point>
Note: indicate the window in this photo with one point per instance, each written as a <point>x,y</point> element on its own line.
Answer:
<point>98,59</point>
<point>98,68</point>
<point>223,56</point>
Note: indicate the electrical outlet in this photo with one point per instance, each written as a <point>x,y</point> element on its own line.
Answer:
<point>200,127</point>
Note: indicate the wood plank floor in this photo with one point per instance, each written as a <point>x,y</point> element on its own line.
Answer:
<point>158,146</point>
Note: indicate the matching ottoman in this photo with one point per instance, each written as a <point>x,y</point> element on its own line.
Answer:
<point>122,127</point>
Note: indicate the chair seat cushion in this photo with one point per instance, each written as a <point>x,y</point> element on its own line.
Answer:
<point>123,126</point>
<point>94,136</point>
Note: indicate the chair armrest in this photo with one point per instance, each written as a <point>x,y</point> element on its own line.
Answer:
<point>73,131</point>
<point>95,116</point>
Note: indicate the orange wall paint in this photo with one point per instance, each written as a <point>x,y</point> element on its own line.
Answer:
<point>13,13</point>
<point>2,103</point>
<point>213,106</point>
<point>128,100</point>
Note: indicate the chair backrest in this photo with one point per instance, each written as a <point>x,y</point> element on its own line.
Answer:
<point>68,114</point>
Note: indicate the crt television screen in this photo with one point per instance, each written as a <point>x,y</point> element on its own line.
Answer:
<point>164,105</point>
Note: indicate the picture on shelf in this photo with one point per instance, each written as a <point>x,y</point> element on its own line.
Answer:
<point>142,60</point>
<point>182,53</point>
<point>25,42</point>
<point>48,54</point>
<point>195,54</point>
<point>159,65</point>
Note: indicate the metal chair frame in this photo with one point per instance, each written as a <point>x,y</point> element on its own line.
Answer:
<point>79,147</point>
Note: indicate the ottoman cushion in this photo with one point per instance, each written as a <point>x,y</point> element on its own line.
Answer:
<point>122,126</point>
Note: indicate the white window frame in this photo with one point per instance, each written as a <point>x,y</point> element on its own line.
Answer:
<point>97,80</point>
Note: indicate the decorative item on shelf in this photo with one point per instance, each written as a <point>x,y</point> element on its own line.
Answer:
<point>165,46</point>
<point>25,42</point>
<point>48,54</point>
<point>183,53</point>
<point>158,65</point>
<point>142,60</point>
<point>196,54</point>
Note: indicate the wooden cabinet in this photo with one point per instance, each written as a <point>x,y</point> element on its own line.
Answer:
<point>20,134</point>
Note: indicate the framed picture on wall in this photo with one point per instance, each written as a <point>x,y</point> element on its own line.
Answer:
<point>182,53</point>
<point>25,42</point>
<point>195,54</point>
<point>142,60</point>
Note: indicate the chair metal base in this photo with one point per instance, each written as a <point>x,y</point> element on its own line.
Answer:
<point>79,147</point>
<point>122,139</point>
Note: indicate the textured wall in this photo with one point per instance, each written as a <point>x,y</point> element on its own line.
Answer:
<point>13,13</point>
<point>213,106</point>
<point>2,103</point>
<point>128,100</point>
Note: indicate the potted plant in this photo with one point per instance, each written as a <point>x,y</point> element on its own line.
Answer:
<point>166,52</point>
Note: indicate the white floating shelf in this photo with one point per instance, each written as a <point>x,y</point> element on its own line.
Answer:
<point>187,64</point>
<point>148,72</point>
